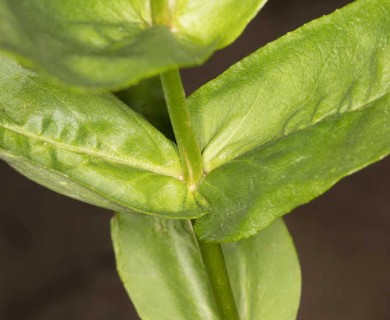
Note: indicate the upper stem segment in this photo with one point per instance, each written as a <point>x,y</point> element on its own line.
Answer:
<point>185,137</point>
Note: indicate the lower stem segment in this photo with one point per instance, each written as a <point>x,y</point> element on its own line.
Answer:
<point>214,262</point>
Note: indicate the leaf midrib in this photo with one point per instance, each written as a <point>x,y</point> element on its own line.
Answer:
<point>72,179</point>
<point>139,165</point>
<point>115,203</point>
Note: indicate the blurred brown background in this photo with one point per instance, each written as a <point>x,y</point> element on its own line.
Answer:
<point>56,259</point>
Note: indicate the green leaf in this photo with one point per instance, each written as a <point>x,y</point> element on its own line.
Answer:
<point>88,146</point>
<point>282,126</point>
<point>113,44</point>
<point>162,269</point>
<point>147,98</point>
<point>265,274</point>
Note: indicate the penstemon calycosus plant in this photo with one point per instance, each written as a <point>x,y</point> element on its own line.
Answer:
<point>273,132</point>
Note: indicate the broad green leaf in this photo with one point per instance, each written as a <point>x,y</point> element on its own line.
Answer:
<point>159,263</point>
<point>104,43</point>
<point>162,270</point>
<point>148,99</point>
<point>265,274</point>
<point>282,126</point>
<point>88,146</point>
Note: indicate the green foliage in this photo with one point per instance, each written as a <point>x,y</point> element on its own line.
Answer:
<point>89,146</point>
<point>111,44</point>
<point>147,98</point>
<point>159,261</point>
<point>282,126</point>
<point>273,132</point>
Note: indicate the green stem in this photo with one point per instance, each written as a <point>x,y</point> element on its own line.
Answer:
<point>185,137</point>
<point>215,265</point>
<point>192,164</point>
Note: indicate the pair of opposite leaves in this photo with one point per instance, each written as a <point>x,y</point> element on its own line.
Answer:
<point>276,130</point>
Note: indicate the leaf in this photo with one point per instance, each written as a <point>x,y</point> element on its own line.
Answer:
<point>88,146</point>
<point>113,44</point>
<point>147,98</point>
<point>265,274</point>
<point>285,124</point>
<point>162,270</point>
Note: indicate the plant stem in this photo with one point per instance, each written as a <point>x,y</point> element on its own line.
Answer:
<point>192,164</point>
<point>219,279</point>
<point>185,137</point>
